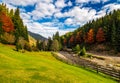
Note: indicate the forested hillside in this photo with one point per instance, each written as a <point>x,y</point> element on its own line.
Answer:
<point>36,36</point>
<point>12,29</point>
<point>103,31</point>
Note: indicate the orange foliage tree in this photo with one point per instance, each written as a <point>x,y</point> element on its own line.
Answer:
<point>90,36</point>
<point>100,37</point>
<point>65,41</point>
<point>7,23</point>
<point>71,41</point>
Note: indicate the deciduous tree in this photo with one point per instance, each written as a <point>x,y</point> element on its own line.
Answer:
<point>7,23</point>
<point>100,37</point>
<point>55,45</point>
<point>90,36</point>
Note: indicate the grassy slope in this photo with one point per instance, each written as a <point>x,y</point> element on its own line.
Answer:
<point>41,67</point>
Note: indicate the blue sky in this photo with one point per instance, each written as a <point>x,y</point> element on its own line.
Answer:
<point>45,17</point>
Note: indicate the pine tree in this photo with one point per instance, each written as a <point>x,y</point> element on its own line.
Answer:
<point>56,36</point>
<point>49,44</point>
<point>113,35</point>
<point>20,29</point>
<point>11,13</point>
<point>1,29</point>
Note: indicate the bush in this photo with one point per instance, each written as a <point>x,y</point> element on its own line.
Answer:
<point>7,38</point>
<point>27,47</point>
<point>82,52</point>
<point>34,48</point>
<point>76,49</point>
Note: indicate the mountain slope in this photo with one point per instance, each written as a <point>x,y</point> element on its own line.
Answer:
<point>36,36</point>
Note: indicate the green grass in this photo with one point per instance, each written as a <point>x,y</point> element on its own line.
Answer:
<point>37,67</point>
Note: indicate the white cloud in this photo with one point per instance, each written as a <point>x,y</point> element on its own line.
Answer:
<point>26,2</point>
<point>69,3</point>
<point>10,6</point>
<point>45,30</point>
<point>112,7</point>
<point>69,21</point>
<point>93,1</point>
<point>46,1</point>
<point>108,8</point>
<point>60,4</point>
<point>86,1</point>
<point>21,2</point>
<point>43,10</point>
<point>79,16</point>
<point>58,15</point>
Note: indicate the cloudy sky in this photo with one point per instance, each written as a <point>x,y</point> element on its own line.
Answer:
<point>45,17</point>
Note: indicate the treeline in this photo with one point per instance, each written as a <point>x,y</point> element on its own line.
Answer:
<point>105,30</point>
<point>12,29</point>
<point>52,44</point>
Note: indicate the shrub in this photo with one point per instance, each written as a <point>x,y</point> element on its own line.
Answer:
<point>76,49</point>
<point>8,38</point>
<point>34,48</point>
<point>82,52</point>
<point>27,47</point>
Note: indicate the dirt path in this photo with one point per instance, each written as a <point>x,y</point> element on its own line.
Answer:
<point>73,58</point>
<point>110,61</point>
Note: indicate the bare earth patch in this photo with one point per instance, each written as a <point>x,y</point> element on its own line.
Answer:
<point>111,61</point>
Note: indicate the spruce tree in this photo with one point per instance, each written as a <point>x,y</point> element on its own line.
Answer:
<point>20,29</point>
<point>113,36</point>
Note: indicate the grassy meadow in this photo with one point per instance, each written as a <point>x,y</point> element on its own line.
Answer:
<point>41,67</point>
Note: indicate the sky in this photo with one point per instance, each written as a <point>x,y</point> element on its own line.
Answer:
<point>46,17</point>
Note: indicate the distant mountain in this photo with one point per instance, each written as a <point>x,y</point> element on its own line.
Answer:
<point>36,36</point>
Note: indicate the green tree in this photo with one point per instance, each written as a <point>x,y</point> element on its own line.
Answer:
<point>56,36</point>
<point>83,52</point>
<point>77,48</point>
<point>55,45</point>
<point>11,14</point>
<point>20,44</point>
<point>20,29</point>
<point>44,45</point>
<point>1,29</point>
<point>49,44</point>
<point>113,35</point>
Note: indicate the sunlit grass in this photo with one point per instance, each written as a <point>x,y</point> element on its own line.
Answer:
<point>37,67</point>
